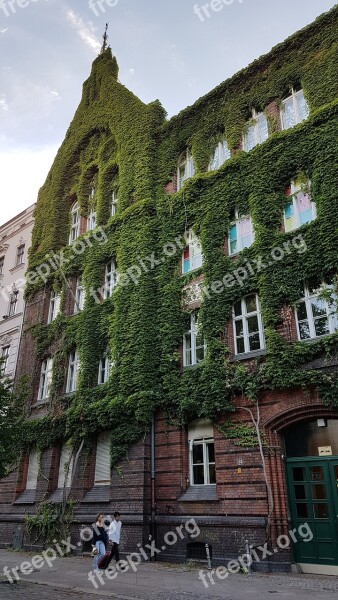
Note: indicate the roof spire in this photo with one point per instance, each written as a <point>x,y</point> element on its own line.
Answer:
<point>105,39</point>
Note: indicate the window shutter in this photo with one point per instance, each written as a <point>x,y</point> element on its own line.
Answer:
<point>102,465</point>
<point>64,460</point>
<point>33,470</point>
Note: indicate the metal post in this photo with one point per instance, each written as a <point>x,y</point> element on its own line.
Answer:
<point>208,556</point>
<point>248,557</point>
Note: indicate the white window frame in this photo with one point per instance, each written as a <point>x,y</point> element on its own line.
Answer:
<point>75,223</point>
<point>244,317</point>
<point>187,162</point>
<point>104,369</point>
<point>220,155</point>
<point>191,335</point>
<point>256,117</point>
<point>13,303</point>
<point>73,372</point>
<point>91,221</point>
<point>80,296</point>
<point>5,353</point>
<point>206,463</point>
<point>20,254</point>
<point>114,203</point>
<point>110,279</point>
<point>237,221</point>
<point>331,314</point>
<point>103,468</point>
<point>65,466</point>
<point>54,306</point>
<point>295,189</point>
<point>201,432</point>
<point>33,469</point>
<point>46,375</point>
<point>195,253</point>
<point>298,118</point>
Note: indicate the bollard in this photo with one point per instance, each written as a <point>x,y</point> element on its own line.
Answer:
<point>248,557</point>
<point>208,556</point>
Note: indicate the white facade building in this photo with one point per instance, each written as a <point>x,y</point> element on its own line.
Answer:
<point>15,240</point>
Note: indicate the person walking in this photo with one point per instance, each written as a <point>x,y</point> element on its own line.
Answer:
<point>114,533</point>
<point>99,540</point>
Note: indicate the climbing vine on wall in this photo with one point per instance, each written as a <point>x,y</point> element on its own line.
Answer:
<point>116,143</point>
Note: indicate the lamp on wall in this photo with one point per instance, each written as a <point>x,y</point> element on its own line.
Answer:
<point>322,422</point>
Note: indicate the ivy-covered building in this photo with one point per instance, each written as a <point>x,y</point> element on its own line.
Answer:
<point>181,331</point>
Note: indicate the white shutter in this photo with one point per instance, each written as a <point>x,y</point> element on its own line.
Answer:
<point>102,464</point>
<point>33,470</point>
<point>64,460</point>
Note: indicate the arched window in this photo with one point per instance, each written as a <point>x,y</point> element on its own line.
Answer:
<point>201,453</point>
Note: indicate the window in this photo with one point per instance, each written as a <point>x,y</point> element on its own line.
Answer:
<point>110,279</point>
<point>202,453</point>
<point>192,256</point>
<point>20,254</point>
<point>193,343</point>
<point>75,223</point>
<point>102,462</point>
<point>79,296</point>
<point>91,221</point>
<point>45,379</point>
<point>33,470</point>
<point>185,169</point>
<point>241,234</point>
<point>315,315</point>
<point>248,326</point>
<point>299,209</point>
<point>220,155</point>
<point>114,203</point>
<point>2,262</point>
<point>65,466</point>
<point>13,303</point>
<point>294,109</point>
<point>104,369</point>
<point>256,131</point>
<point>54,306</point>
<point>5,358</point>
<point>73,369</point>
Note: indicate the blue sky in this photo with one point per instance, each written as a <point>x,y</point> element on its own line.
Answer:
<point>164,50</point>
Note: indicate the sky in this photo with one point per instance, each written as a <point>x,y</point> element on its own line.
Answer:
<point>171,50</point>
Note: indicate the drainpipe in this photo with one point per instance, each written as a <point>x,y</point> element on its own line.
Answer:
<point>152,474</point>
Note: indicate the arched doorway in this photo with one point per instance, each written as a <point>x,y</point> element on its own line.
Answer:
<point>311,453</point>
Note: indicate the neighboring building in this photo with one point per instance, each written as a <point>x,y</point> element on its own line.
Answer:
<point>180,271</point>
<point>15,241</point>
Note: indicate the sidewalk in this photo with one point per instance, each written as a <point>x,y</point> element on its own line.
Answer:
<point>162,581</point>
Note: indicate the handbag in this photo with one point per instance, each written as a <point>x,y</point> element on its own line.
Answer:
<point>103,562</point>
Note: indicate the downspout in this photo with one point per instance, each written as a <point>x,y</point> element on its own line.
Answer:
<point>152,475</point>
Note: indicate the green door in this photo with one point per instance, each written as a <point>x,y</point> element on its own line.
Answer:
<point>313,497</point>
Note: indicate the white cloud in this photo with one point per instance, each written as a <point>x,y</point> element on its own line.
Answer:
<point>85,31</point>
<point>4,30</point>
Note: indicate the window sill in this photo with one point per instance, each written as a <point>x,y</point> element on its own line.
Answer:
<point>200,493</point>
<point>248,355</point>
<point>195,366</point>
<point>98,494</point>
<point>17,268</point>
<point>10,318</point>
<point>27,497</point>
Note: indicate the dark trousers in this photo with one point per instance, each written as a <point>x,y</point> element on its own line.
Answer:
<point>114,554</point>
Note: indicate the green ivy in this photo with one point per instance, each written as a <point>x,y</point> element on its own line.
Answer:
<point>117,143</point>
